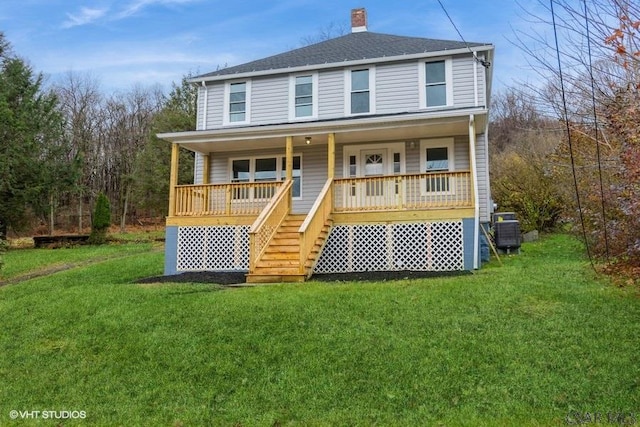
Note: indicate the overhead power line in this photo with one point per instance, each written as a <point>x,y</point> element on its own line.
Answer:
<point>484,62</point>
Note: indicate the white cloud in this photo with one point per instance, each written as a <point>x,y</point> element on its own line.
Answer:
<point>137,5</point>
<point>85,16</point>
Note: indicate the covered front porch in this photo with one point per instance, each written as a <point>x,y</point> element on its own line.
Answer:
<point>276,225</point>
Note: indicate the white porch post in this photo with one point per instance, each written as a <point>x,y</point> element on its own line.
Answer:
<point>476,196</point>
<point>331,162</point>
<point>289,158</point>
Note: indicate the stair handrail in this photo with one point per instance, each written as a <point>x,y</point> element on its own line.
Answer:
<point>267,223</point>
<point>315,221</point>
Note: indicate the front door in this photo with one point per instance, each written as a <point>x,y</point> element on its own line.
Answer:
<point>373,165</point>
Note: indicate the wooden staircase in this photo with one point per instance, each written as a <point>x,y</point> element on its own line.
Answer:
<point>281,259</point>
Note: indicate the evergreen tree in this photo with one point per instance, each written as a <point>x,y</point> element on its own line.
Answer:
<point>101,220</point>
<point>32,149</point>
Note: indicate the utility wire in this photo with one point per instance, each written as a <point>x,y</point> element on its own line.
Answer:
<point>568,129</point>
<point>595,120</point>
<point>485,63</point>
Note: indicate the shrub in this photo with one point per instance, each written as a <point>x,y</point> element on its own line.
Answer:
<point>101,220</point>
<point>522,185</point>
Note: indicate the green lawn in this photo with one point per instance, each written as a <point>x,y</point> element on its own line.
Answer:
<point>540,341</point>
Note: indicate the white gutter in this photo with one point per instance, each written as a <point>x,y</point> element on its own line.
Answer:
<point>476,193</point>
<point>345,63</point>
<point>318,127</point>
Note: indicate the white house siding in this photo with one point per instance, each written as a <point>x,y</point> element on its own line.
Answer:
<point>463,86</point>
<point>215,105</point>
<point>198,167</point>
<point>200,119</point>
<point>482,95</point>
<point>331,94</point>
<point>270,100</point>
<point>484,189</point>
<point>397,88</point>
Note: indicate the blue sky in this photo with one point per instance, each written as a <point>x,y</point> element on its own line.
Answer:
<point>121,43</point>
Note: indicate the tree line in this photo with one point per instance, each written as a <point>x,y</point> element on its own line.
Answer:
<point>567,153</point>
<point>563,153</point>
<point>63,144</point>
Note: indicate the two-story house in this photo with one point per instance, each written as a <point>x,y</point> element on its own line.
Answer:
<point>366,152</point>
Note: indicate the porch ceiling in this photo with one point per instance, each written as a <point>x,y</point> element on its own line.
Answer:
<point>370,129</point>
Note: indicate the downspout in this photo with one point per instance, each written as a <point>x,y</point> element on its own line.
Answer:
<point>476,194</point>
<point>204,107</point>
<point>475,81</point>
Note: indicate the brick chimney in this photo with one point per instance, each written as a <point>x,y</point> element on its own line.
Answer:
<point>358,20</point>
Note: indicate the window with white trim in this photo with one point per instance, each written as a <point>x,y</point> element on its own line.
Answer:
<point>303,96</point>
<point>360,93</point>
<point>237,102</point>
<point>436,157</point>
<point>266,169</point>
<point>436,84</point>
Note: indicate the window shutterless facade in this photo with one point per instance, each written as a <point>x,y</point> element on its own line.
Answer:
<point>360,94</point>
<point>237,102</point>
<point>437,156</point>
<point>303,96</point>
<point>436,83</point>
<point>266,169</point>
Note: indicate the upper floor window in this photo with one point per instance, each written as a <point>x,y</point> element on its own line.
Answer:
<point>360,94</point>
<point>360,84</point>
<point>237,102</point>
<point>303,96</point>
<point>436,84</point>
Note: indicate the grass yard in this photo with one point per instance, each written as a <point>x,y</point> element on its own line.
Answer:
<point>538,342</point>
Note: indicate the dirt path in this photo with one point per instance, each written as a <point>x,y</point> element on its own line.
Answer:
<point>47,271</point>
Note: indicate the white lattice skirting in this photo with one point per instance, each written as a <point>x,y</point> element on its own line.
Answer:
<point>426,246</point>
<point>215,248</point>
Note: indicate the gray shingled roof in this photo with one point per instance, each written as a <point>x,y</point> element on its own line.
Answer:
<point>351,47</point>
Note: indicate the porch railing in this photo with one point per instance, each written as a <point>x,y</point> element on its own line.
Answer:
<point>404,192</point>
<point>224,199</point>
<point>315,221</point>
<point>266,225</point>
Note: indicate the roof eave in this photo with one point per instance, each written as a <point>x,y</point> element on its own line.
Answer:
<point>315,127</point>
<point>367,61</point>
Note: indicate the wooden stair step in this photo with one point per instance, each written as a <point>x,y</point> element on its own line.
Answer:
<point>280,256</point>
<point>286,278</point>
<point>282,248</point>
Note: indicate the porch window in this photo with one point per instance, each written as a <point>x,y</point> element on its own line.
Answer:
<point>437,157</point>
<point>265,169</point>
<point>296,188</point>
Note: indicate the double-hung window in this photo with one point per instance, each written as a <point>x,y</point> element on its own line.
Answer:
<point>436,158</point>
<point>436,84</point>
<point>360,84</point>
<point>303,96</point>
<point>237,98</point>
